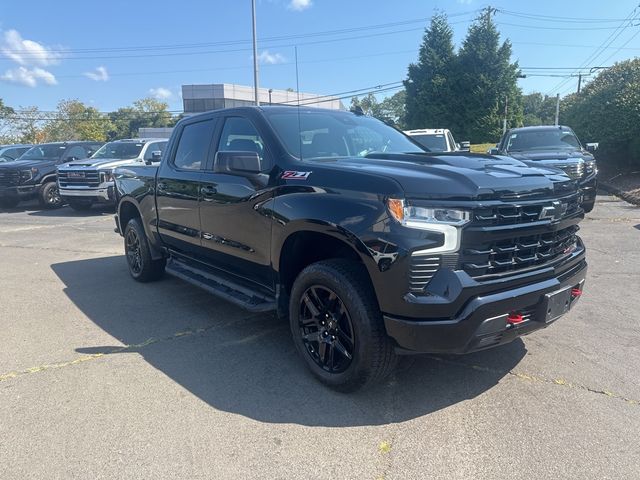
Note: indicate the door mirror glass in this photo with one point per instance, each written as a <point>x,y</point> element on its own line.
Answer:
<point>492,151</point>
<point>592,147</point>
<point>465,146</point>
<point>156,156</point>
<point>238,163</point>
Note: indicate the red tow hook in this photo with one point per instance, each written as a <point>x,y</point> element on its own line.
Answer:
<point>514,318</point>
<point>575,292</point>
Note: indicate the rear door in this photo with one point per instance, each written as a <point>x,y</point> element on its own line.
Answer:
<point>236,223</point>
<point>178,185</point>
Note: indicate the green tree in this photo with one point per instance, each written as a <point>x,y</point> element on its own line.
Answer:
<point>390,110</point>
<point>6,113</point>
<point>147,112</point>
<point>607,111</point>
<point>430,84</point>
<point>74,120</point>
<point>24,125</point>
<point>538,109</point>
<point>487,80</point>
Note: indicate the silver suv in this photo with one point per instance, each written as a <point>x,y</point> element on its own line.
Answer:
<point>85,182</point>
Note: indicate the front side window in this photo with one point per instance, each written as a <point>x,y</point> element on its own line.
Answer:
<point>308,135</point>
<point>154,147</point>
<point>44,152</point>
<point>193,146</point>
<point>239,135</point>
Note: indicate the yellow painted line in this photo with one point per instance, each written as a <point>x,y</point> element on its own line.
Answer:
<point>540,379</point>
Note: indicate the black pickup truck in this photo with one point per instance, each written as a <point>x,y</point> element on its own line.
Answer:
<point>369,245</point>
<point>554,146</point>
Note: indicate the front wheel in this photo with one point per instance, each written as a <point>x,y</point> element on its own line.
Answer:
<point>337,326</point>
<point>142,266</point>
<point>50,196</point>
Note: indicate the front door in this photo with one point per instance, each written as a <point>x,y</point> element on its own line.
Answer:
<point>234,215</point>
<point>178,186</point>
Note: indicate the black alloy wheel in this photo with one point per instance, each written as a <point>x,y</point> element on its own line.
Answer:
<point>133,251</point>
<point>326,329</point>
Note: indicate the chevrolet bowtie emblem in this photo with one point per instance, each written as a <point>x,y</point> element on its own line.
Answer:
<point>555,211</point>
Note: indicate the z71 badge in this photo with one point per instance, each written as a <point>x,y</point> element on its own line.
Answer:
<point>293,175</point>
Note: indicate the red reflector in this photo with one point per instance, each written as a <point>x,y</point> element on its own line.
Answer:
<point>576,292</point>
<point>514,318</point>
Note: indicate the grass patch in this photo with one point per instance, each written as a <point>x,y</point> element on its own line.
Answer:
<point>482,147</point>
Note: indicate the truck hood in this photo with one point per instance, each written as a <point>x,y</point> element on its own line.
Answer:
<point>557,155</point>
<point>102,162</point>
<point>24,164</point>
<point>462,177</point>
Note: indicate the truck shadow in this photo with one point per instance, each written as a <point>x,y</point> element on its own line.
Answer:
<point>246,364</point>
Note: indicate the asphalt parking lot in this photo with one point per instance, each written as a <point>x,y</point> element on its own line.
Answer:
<point>103,377</point>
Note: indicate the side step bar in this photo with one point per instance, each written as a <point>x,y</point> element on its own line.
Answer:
<point>221,287</point>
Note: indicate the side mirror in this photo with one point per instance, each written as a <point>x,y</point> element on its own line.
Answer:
<point>592,147</point>
<point>72,159</point>
<point>465,146</point>
<point>493,151</point>
<point>239,163</point>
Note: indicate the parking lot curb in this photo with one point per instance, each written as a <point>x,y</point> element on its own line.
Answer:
<point>627,197</point>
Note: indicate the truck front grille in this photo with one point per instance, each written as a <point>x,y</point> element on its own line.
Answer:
<point>9,178</point>
<point>573,170</point>
<point>519,253</point>
<point>78,178</point>
<point>514,214</point>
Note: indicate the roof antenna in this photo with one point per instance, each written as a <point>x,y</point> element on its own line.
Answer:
<point>298,94</point>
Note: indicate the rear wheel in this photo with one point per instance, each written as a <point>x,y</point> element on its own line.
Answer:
<point>80,205</point>
<point>142,267</point>
<point>50,196</point>
<point>337,326</point>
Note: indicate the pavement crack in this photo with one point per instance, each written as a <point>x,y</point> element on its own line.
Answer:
<point>109,351</point>
<point>539,378</point>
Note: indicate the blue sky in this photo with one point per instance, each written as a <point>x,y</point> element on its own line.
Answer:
<point>109,54</point>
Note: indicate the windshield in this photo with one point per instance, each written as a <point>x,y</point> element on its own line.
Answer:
<point>44,152</point>
<point>119,150</point>
<point>434,142</point>
<point>339,134</point>
<point>542,140</point>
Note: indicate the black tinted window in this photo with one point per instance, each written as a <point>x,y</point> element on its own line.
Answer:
<point>193,146</point>
<point>77,152</point>
<point>239,135</point>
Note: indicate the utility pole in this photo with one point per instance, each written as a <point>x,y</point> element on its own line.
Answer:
<point>557,109</point>
<point>579,81</point>
<point>504,124</point>
<point>255,53</point>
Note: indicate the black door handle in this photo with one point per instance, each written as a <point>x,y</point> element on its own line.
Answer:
<point>208,190</point>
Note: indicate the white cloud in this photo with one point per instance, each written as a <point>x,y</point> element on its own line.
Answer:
<point>299,5</point>
<point>29,77</point>
<point>160,93</point>
<point>270,58</point>
<point>100,74</point>
<point>27,52</point>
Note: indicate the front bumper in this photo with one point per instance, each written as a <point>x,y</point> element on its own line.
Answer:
<point>19,191</point>
<point>588,189</point>
<point>104,193</point>
<point>482,323</point>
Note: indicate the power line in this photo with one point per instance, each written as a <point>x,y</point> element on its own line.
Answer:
<point>558,19</point>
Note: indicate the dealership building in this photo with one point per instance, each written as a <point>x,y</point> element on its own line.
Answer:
<point>202,98</point>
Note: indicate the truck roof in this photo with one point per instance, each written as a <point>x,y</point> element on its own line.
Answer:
<point>426,131</point>
<point>541,128</point>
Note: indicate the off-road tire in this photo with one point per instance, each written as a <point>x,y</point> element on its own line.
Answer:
<point>141,266</point>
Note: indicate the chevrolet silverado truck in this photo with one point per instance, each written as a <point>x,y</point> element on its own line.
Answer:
<point>85,182</point>
<point>554,146</point>
<point>368,245</point>
<point>33,174</point>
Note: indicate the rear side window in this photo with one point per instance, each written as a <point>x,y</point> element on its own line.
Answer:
<point>193,146</point>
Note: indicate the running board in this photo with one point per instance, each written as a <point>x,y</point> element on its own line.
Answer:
<point>221,287</point>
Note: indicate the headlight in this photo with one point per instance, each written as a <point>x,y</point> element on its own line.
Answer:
<point>447,221</point>
<point>106,176</point>
<point>590,167</point>
<point>26,175</point>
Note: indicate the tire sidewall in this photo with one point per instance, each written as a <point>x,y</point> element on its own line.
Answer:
<point>357,373</point>
<point>145,257</point>
<point>44,194</point>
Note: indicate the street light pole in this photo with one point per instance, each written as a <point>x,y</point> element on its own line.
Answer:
<point>255,53</point>
<point>557,109</point>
